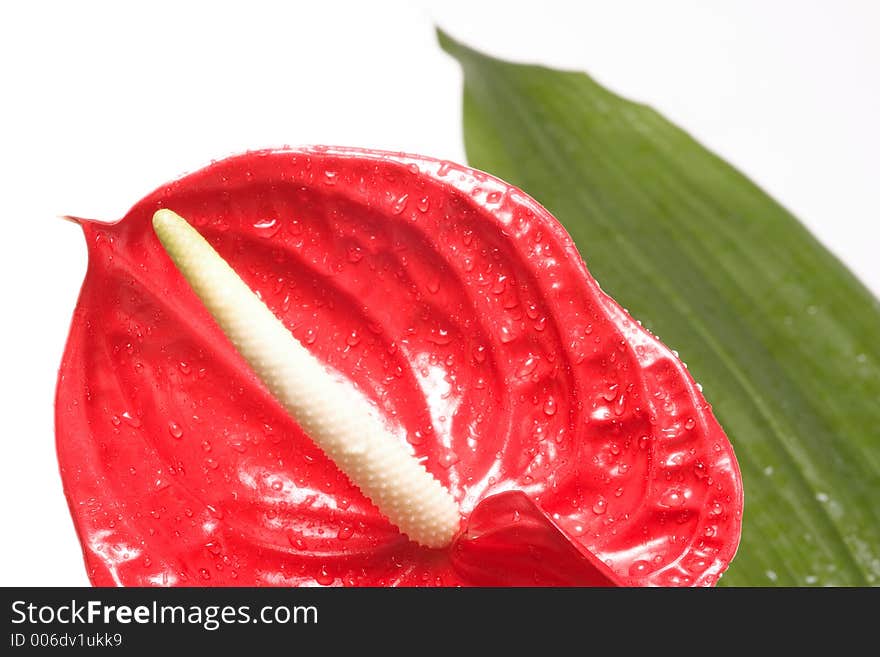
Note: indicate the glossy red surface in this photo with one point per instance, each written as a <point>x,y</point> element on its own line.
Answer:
<point>456,303</point>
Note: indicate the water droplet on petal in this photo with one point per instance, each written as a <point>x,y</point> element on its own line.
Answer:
<point>672,498</point>
<point>267,227</point>
<point>131,420</point>
<point>611,393</point>
<point>448,459</point>
<point>175,430</point>
<point>324,578</point>
<point>600,506</point>
<point>640,567</point>
<point>399,204</point>
<point>440,336</point>
<point>528,366</point>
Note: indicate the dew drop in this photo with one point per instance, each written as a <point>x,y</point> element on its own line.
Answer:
<point>423,204</point>
<point>130,420</point>
<point>184,367</point>
<point>448,459</point>
<point>640,567</point>
<point>353,339</point>
<point>610,394</point>
<point>506,335</point>
<point>330,177</point>
<point>600,506</point>
<point>550,406</point>
<point>672,498</point>
<point>440,337</point>
<point>267,228</point>
<point>690,423</point>
<point>354,254</point>
<point>345,533</point>
<point>479,354</point>
<point>311,336</point>
<point>175,430</point>
<point>399,204</point>
<point>528,366</point>
<point>324,578</point>
<point>493,197</point>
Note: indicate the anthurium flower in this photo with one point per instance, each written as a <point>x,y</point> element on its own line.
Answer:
<point>576,447</point>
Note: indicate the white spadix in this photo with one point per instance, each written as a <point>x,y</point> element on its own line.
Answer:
<point>340,420</point>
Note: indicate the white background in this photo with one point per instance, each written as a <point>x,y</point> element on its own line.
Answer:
<point>100,103</point>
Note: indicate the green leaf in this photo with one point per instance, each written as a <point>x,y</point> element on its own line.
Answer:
<point>781,335</point>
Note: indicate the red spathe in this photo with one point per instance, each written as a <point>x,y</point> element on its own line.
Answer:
<point>578,447</point>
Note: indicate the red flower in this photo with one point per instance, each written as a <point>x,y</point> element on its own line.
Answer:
<point>578,447</point>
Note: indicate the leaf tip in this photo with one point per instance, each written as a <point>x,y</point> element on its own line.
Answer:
<point>455,48</point>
